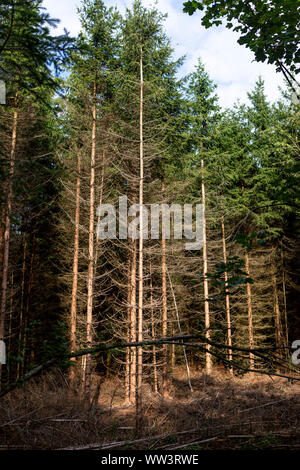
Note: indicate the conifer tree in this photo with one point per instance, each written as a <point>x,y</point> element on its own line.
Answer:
<point>91,86</point>
<point>203,107</point>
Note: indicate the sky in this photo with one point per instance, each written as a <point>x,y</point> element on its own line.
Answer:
<point>230,65</point>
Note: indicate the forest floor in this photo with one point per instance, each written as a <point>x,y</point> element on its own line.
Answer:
<point>223,412</point>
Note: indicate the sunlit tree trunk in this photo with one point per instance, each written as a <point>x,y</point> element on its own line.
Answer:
<point>89,313</point>
<point>133,329</point>
<point>278,329</point>
<point>155,381</point>
<point>141,253</point>
<point>132,306</point>
<point>173,350</point>
<point>227,301</point>
<point>208,360</point>
<point>73,316</point>
<point>128,338</point>
<point>100,202</point>
<point>164,302</point>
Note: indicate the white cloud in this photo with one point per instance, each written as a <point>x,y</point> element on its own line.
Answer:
<point>230,65</point>
<point>66,11</point>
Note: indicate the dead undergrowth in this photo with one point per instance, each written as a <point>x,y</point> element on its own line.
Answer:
<point>252,412</point>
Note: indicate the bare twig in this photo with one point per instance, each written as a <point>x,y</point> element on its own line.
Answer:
<point>181,339</point>
<point>182,446</point>
<point>265,404</point>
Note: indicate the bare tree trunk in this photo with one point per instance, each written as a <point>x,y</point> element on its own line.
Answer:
<point>141,252</point>
<point>133,321</point>
<point>89,313</point>
<point>250,314</point>
<point>100,202</point>
<point>284,301</point>
<point>208,361</point>
<point>22,306</point>
<point>155,381</point>
<point>10,327</point>
<point>26,341</point>
<point>73,317</point>
<point>173,350</point>
<point>132,307</point>
<point>2,230</point>
<point>227,301</point>
<point>128,336</point>
<point>278,329</point>
<point>164,303</point>
<point>7,229</point>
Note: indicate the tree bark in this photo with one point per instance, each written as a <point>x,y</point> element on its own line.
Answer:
<point>227,301</point>
<point>141,255</point>
<point>89,313</point>
<point>133,361</point>
<point>208,360</point>
<point>9,365</point>
<point>100,202</point>
<point>128,336</point>
<point>26,341</point>
<point>164,303</point>
<point>155,381</point>
<point>250,313</point>
<point>278,329</point>
<point>22,305</point>
<point>7,228</point>
<point>2,230</point>
<point>133,309</point>
<point>73,315</point>
<point>284,301</point>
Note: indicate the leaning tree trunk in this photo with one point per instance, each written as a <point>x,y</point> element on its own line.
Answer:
<point>73,315</point>
<point>89,313</point>
<point>227,301</point>
<point>208,361</point>
<point>7,229</point>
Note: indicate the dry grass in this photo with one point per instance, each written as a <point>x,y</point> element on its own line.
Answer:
<point>263,412</point>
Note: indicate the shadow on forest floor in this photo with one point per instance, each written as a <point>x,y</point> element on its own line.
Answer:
<point>250,412</point>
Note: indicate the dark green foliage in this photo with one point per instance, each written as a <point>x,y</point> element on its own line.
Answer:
<point>28,51</point>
